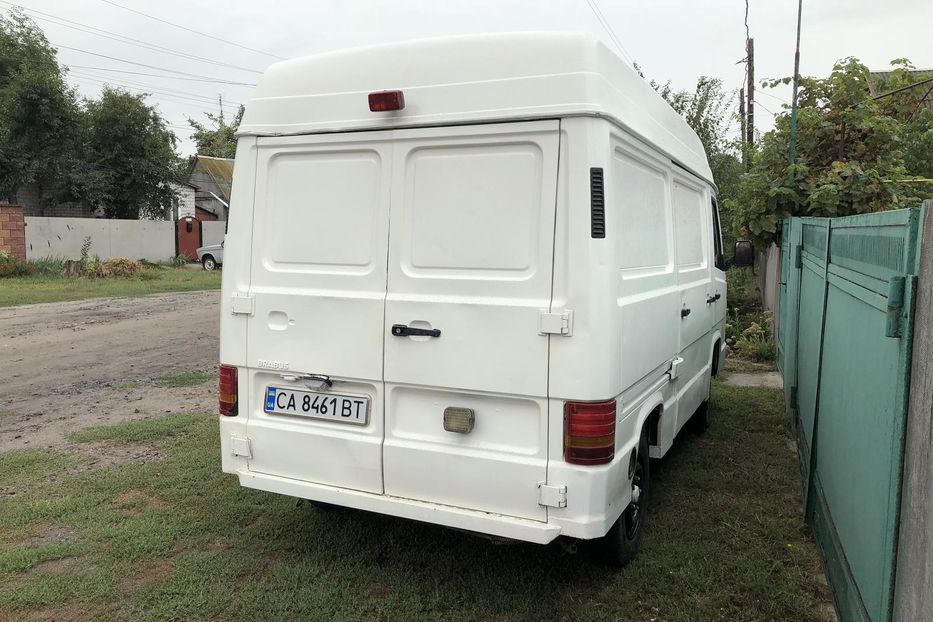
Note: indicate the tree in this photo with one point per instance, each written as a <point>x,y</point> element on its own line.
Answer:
<point>854,152</point>
<point>130,155</point>
<point>38,115</point>
<point>219,142</point>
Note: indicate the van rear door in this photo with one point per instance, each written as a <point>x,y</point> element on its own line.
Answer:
<point>470,256</point>
<point>318,284</point>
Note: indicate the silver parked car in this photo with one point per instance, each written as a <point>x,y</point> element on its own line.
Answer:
<point>211,256</point>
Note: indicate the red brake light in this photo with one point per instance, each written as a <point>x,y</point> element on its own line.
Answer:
<point>589,432</point>
<point>228,390</point>
<point>384,101</point>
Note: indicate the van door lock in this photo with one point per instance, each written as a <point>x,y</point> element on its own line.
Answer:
<point>401,330</point>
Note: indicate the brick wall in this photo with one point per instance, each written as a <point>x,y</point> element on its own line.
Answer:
<point>13,231</point>
<point>28,198</point>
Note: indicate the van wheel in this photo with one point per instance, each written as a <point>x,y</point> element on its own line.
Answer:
<point>700,421</point>
<point>208,263</point>
<point>620,545</point>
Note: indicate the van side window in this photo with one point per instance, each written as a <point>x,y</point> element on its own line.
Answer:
<point>689,226</point>
<point>642,223</point>
<point>720,261</point>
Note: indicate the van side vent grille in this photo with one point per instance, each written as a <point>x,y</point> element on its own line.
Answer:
<point>597,204</point>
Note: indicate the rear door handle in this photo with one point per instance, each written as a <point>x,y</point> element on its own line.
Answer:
<point>713,299</point>
<point>401,330</point>
<point>684,312</point>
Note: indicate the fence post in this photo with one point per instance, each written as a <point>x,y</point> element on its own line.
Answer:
<point>13,231</point>
<point>913,592</point>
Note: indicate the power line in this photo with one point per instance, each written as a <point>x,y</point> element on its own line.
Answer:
<point>780,99</point>
<point>129,62</point>
<point>154,75</point>
<point>175,99</point>
<point>608,28</point>
<point>773,114</point>
<point>131,82</point>
<point>145,89</point>
<point>100,32</point>
<point>197,32</point>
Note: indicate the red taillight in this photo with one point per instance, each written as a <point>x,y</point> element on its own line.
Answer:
<point>228,389</point>
<point>384,101</point>
<point>589,432</point>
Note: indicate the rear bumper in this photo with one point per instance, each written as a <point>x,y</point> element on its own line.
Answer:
<point>448,516</point>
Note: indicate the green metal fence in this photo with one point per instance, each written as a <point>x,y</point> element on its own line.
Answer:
<point>844,349</point>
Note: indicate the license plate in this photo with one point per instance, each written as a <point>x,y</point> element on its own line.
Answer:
<point>330,406</point>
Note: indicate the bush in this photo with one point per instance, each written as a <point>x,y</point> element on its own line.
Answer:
<point>117,267</point>
<point>50,266</point>
<point>13,266</point>
<point>179,261</point>
<point>749,335</point>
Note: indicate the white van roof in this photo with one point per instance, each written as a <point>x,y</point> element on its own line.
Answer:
<point>467,79</point>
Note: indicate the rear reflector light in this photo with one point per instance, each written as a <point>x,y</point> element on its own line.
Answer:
<point>228,391</point>
<point>384,101</point>
<point>589,432</point>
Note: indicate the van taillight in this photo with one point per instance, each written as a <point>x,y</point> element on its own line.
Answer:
<point>228,390</point>
<point>589,432</point>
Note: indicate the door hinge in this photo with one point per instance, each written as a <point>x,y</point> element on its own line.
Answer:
<point>242,304</point>
<point>550,323</point>
<point>675,367</point>
<point>552,496</point>
<point>240,447</point>
<point>793,397</point>
<point>895,306</point>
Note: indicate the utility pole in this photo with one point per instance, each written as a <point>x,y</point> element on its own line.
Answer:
<point>750,128</point>
<point>744,121</point>
<point>793,106</point>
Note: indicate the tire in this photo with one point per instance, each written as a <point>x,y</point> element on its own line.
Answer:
<point>623,540</point>
<point>699,422</point>
<point>208,263</point>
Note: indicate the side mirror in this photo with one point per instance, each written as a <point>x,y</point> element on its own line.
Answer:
<point>744,254</point>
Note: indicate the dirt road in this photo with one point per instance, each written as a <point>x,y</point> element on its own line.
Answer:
<point>71,365</point>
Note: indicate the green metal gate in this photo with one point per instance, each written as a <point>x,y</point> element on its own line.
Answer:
<point>844,350</point>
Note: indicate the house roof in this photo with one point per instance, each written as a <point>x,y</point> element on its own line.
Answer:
<point>469,79</point>
<point>923,92</point>
<point>219,170</point>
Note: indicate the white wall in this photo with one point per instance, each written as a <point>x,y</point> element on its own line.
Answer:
<point>212,231</point>
<point>136,239</point>
<point>769,277</point>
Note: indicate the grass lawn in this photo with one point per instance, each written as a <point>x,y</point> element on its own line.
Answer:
<point>151,280</point>
<point>739,366</point>
<point>173,538</point>
<point>173,380</point>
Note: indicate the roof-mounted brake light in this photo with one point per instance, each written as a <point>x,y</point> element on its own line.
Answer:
<point>384,101</point>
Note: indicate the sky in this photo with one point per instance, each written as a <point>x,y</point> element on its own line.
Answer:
<point>676,40</point>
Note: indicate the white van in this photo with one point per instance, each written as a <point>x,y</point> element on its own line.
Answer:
<point>472,281</point>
